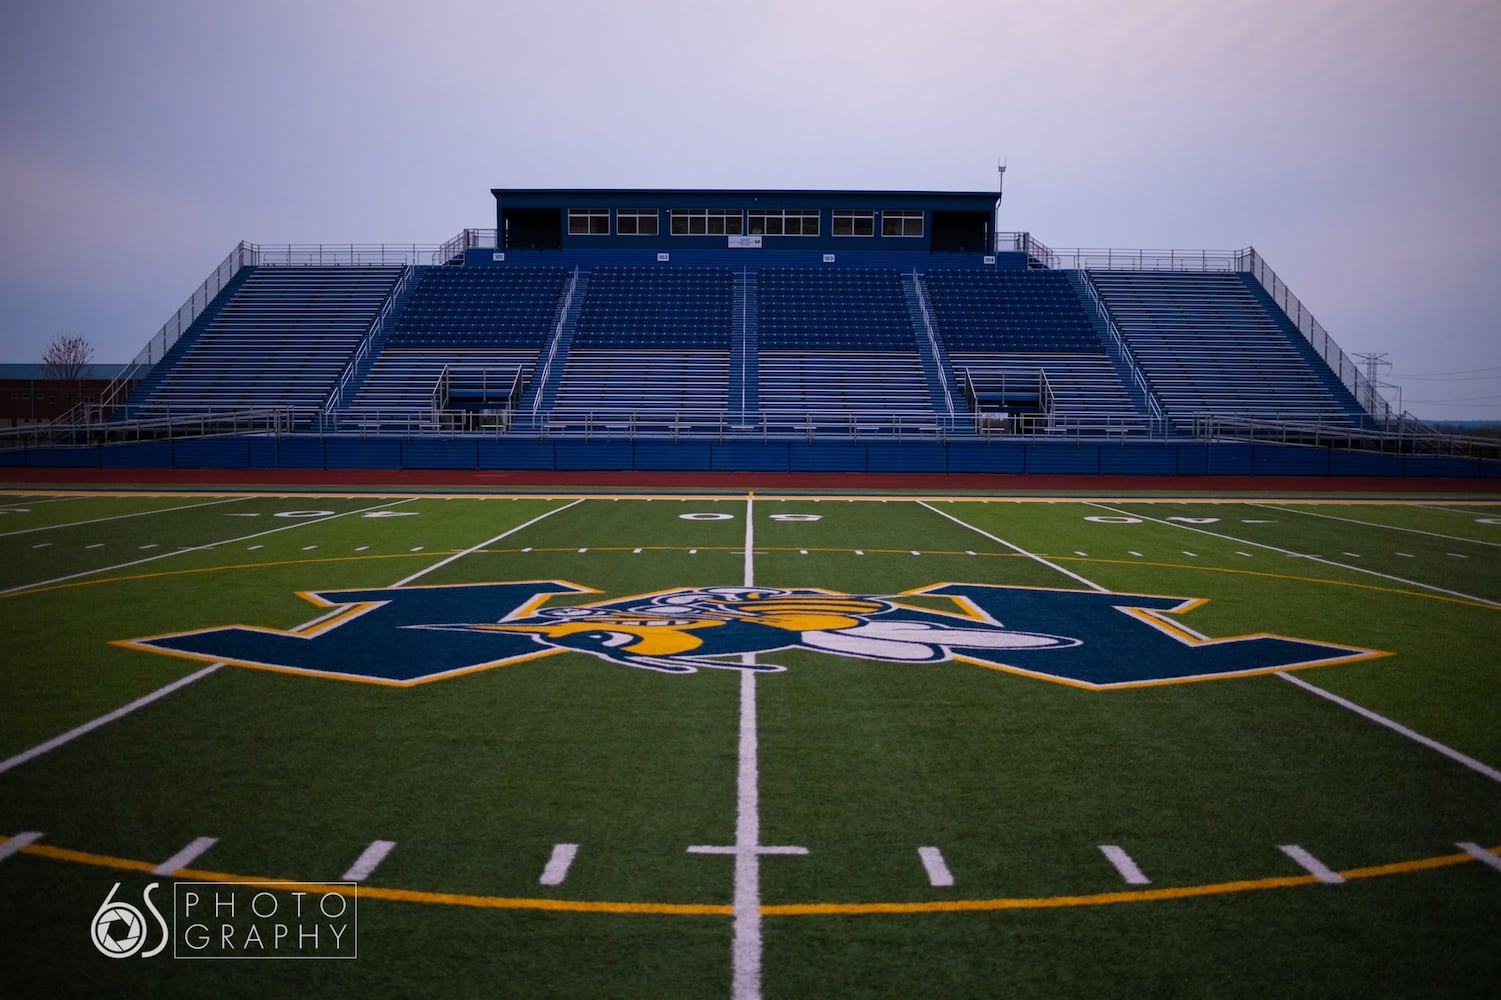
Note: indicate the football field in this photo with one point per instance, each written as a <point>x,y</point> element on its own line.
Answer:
<point>748,745</point>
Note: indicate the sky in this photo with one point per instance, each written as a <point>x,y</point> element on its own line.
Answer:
<point>1356,144</point>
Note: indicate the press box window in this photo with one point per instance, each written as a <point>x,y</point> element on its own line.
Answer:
<point>707,222</point>
<point>588,222</point>
<point>784,222</point>
<point>901,223</point>
<point>854,222</point>
<point>636,222</point>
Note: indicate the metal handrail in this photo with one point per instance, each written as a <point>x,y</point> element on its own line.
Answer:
<point>336,396</point>
<point>1364,391</point>
<point>1138,378</point>
<point>557,335</point>
<point>927,322</point>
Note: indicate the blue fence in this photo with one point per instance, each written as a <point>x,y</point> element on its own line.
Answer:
<point>1187,458</point>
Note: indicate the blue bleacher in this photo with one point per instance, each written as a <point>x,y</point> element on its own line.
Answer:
<point>1009,311</point>
<point>688,308</point>
<point>281,339</point>
<point>832,309</point>
<point>1208,345</point>
<point>479,307</point>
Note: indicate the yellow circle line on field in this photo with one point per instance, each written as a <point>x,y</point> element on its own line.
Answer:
<point>775,910</point>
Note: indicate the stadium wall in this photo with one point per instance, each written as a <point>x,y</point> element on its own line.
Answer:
<point>1188,459</point>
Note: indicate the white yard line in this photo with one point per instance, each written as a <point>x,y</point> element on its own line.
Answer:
<point>90,726</point>
<point>121,517</point>
<point>198,548</point>
<point>1388,527</point>
<point>1301,555</point>
<point>1014,548</point>
<point>746,946</point>
<point>1396,727</point>
<point>167,689</point>
<point>14,844</point>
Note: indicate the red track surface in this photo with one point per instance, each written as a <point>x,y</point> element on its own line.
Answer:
<point>502,480</point>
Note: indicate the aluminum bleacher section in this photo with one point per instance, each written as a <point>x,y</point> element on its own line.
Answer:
<point>398,392</point>
<point>686,308</point>
<point>844,393</point>
<point>280,339</point>
<point>1087,393</point>
<point>1209,346</point>
<point>641,392</point>
<point>832,309</point>
<point>1009,311</point>
<point>479,307</point>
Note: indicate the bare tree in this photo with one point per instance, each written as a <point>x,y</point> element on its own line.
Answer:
<point>67,358</point>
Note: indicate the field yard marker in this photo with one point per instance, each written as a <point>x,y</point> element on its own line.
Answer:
<point>802,552</point>
<point>419,548</point>
<point>1191,555</point>
<point>1078,553</point>
<point>1396,727</point>
<point>1312,865</point>
<point>1352,555</point>
<point>582,551</point>
<point>939,875</point>
<point>252,548</point>
<point>362,548</point>
<point>90,726</point>
<point>859,552</point>
<point>969,552</point>
<point>186,856</point>
<point>20,840</point>
<point>369,859</point>
<point>118,517</point>
<point>1123,864</point>
<point>1133,552</point>
<point>309,548</point>
<point>1308,556</point>
<point>557,865</point>
<point>694,552</point>
<point>1473,850</point>
<point>1246,554</point>
<point>634,552</point>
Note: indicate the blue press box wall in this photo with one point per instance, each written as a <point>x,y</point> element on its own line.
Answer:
<point>1009,457</point>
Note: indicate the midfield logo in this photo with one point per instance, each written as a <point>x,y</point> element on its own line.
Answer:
<point>412,635</point>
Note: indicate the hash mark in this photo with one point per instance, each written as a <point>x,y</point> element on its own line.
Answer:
<point>939,875</point>
<point>368,860</point>
<point>557,865</point>
<point>186,856</point>
<point>1473,850</point>
<point>1123,864</point>
<point>1312,865</point>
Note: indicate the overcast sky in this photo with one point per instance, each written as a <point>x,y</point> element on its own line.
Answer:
<point>1355,143</point>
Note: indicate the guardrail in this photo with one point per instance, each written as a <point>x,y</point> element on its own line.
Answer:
<point>552,347</point>
<point>927,322</point>
<point>165,426</point>
<point>1406,437</point>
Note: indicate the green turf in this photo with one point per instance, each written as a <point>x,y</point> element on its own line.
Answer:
<point>1018,780</point>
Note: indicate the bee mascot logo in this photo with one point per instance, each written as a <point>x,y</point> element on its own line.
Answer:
<point>412,635</point>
